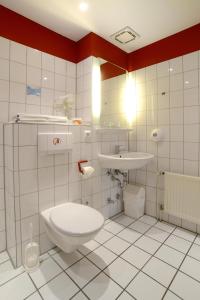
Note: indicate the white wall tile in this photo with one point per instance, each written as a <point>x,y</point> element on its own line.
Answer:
<point>176,82</point>
<point>34,57</point>
<point>176,98</point>
<point>4,46</point>
<point>47,79</point>
<point>17,72</point>
<point>60,82</point>
<point>17,92</point>
<point>190,61</point>
<point>176,150</point>
<point>48,62</point>
<point>4,69</point>
<point>176,65</point>
<point>45,178</point>
<point>25,163</point>
<point>176,116</point>
<point>28,181</point>
<point>4,90</point>
<point>151,72</point>
<point>191,79</point>
<point>60,66</point>
<point>191,151</point>
<point>163,69</point>
<point>191,97</point>
<point>29,205</point>
<point>18,52</point>
<point>33,76</point>
<point>163,85</point>
<point>191,115</point>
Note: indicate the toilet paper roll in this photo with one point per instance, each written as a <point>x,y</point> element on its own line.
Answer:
<point>87,171</point>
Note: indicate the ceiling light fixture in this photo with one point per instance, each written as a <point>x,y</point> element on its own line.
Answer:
<point>83,6</point>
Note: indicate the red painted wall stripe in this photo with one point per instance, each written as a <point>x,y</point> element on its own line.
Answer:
<point>22,30</point>
<point>178,44</point>
<point>92,44</point>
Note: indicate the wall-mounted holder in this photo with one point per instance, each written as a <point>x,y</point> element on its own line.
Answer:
<point>85,171</point>
<point>157,135</point>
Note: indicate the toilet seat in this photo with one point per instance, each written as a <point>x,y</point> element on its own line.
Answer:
<point>75,219</point>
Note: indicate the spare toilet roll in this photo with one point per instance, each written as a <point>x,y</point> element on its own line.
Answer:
<point>87,171</point>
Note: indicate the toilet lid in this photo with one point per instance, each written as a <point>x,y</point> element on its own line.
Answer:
<point>76,219</point>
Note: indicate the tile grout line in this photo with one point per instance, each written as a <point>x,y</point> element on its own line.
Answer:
<point>102,271</point>
<point>178,269</point>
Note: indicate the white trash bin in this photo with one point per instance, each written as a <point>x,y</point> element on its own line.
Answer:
<point>134,201</point>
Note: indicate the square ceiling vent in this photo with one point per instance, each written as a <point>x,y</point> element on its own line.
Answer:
<point>125,35</point>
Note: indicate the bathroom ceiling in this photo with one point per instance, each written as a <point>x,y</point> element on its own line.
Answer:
<point>151,19</point>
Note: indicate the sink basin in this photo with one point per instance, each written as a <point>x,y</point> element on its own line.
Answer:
<point>128,160</point>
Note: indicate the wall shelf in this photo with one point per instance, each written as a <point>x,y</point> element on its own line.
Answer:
<point>112,129</point>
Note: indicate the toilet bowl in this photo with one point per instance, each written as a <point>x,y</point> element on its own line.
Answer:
<point>70,225</point>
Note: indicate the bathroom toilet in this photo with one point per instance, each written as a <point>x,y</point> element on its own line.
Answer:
<point>70,225</point>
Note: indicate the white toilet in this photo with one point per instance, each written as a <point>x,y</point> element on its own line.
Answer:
<point>70,225</point>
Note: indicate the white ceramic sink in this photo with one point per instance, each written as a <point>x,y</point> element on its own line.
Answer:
<point>128,160</point>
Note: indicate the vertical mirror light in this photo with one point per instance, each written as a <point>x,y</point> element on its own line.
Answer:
<point>130,99</point>
<point>96,91</point>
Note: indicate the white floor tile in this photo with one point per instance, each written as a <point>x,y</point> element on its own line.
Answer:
<point>60,288</point>
<point>143,287</point>
<point>102,288</point>
<point>124,220</point>
<point>121,272</point>
<point>185,287</point>
<point>7,271</point>
<point>103,236</point>
<point>44,256</point>
<point>65,260</point>
<point>136,256</point>
<point>17,288</point>
<point>157,234</point>
<point>80,296</point>
<point>147,244</point>
<point>185,234</point>
<point>195,251</point>
<point>88,247</point>
<point>102,257</point>
<point>191,267</point>
<point>140,226</point>
<point>3,257</point>
<point>82,272</point>
<point>107,221</point>
<point>113,227</point>
<point>170,256</point>
<point>165,226</point>
<point>148,220</point>
<point>125,296</point>
<point>178,243</point>
<point>35,296</point>
<point>117,245</point>
<point>47,270</point>
<point>197,240</point>
<point>171,296</point>
<point>160,271</point>
<point>54,251</point>
<point>129,235</point>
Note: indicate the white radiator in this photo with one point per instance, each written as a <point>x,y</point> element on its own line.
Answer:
<point>182,196</point>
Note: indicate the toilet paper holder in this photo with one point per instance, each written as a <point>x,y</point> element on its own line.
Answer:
<point>79,165</point>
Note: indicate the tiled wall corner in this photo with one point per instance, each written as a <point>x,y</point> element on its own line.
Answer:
<point>170,97</point>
